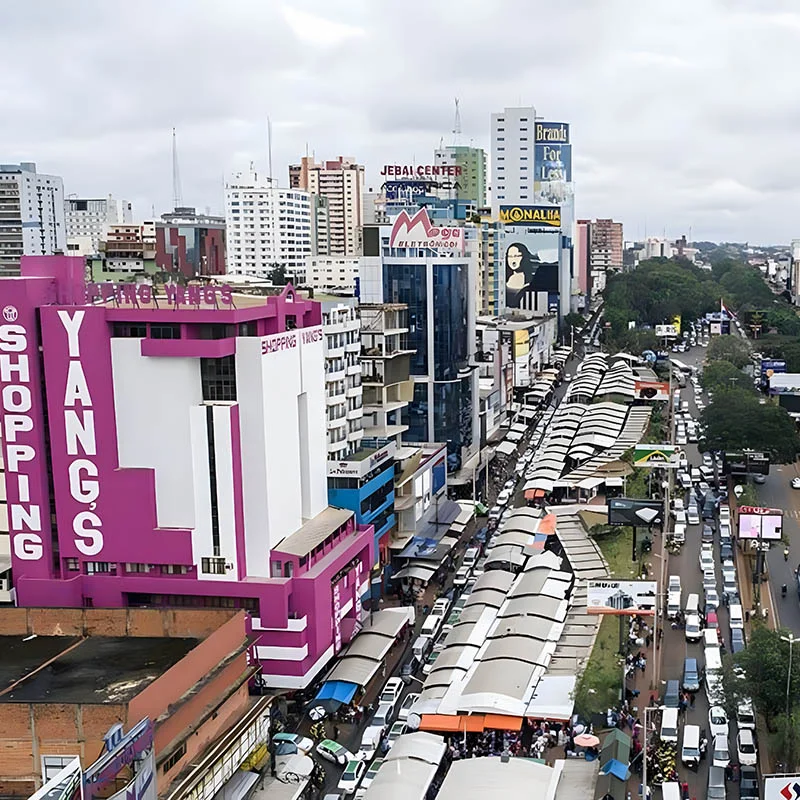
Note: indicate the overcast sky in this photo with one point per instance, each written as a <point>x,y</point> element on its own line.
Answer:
<point>684,114</point>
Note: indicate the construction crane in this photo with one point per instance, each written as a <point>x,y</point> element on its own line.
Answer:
<point>177,194</point>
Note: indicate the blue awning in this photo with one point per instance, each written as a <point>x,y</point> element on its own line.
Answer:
<point>617,769</point>
<point>341,691</point>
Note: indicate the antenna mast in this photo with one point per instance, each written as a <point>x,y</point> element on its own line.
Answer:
<point>269,145</point>
<point>457,125</point>
<point>177,198</point>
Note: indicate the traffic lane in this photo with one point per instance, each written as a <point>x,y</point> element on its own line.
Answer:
<point>777,493</point>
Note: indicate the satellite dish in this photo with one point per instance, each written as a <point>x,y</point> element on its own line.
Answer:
<point>414,721</point>
<point>738,490</point>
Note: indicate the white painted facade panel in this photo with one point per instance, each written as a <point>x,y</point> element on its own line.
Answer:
<point>201,533</point>
<point>313,428</point>
<point>165,444</point>
<point>226,509</point>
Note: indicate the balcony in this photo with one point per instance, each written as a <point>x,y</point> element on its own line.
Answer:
<point>334,398</point>
<point>335,352</point>
<point>338,375</point>
<point>355,436</point>
<point>384,431</point>
<point>335,447</point>
<point>353,369</point>
<point>337,422</point>
<point>353,391</point>
<point>353,347</point>
<point>355,413</point>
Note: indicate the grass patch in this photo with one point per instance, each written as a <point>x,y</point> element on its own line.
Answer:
<point>599,686</point>
<point>615,545</point>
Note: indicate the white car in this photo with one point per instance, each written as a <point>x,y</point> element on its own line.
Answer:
<point>746,748</point>
<point>718,722</point>
<point>693,630</point>
<point>503,497</point>
<point>335,752</point>
<point>745,717</point>
<point>721,755</point>
<point>394,686</point>
<point>677,504</point>
<point>368,778</point>
<point>352,775</point>
<point>405,709</point>
<point>795,483</point>
<point>706,561</point>
<point>712,598</point>
<point>396,731</point>
<point>303,744</point>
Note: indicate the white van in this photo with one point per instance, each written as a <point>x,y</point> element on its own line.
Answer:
<point>673,604</point>
<point>735,613</point>
<point>470,557</point>
<point>431,625</point>
<point>679,534</point>
<point>710,637</point>
<point>671,790</point>
<point>693,604</point>
<point>690,751</point>
<point>713,659</point>
<point>420,648</point>
<point>695,475</point>
<point>674,583</point>
<point>669,725</point>
<point>692,515</point>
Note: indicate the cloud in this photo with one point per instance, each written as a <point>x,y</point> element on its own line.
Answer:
<point>682,114</point>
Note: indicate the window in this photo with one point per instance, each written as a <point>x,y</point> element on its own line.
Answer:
<point>218,379</point>
<point>174,569</point>
<point>277,568</point>
<point>165,331</point>
<point>248,328</point>
<point>215,330</point>
<point>212,475</point>
<point>72,565</point>
<point>100,567</point>
<point>139,568</point>
<point>174,758</point>
<point>213,566</point>
<point>129,330</point>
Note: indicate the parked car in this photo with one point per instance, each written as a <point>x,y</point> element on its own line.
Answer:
<point>335,752</point>
<point>503,497</point>
<point>748,783</point>
<point>352,775</point>
<point>405,708</point>
<point>718,722</point>
<point>369,776</point>
<point>303,744</point>
<point>716,784</point>
<point>691,675</point>
<point>692,628</point>
<point>383,715</point>
<point>720,755</point>
<point>672,695</point>
<point>394,686</point>
<point>397,730</point>
<point>746,748</point>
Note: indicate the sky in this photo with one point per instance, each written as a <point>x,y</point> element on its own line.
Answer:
<point>684,115</point>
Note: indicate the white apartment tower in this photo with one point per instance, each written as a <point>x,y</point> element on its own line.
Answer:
<point>341,326</point>
<point>342,183</point>
<point>267,226</point>
<point>88,220</point>
<point>513,167</point>
<point>31,215</point>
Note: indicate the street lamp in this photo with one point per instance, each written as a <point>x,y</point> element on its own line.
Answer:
<point>791,640</point>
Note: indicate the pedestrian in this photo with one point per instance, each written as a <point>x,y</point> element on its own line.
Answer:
<point>785,553</point>
<point>336,733</point>
<point>764,613</point>
<point>728,772</point>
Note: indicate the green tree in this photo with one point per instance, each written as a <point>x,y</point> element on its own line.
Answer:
<point>277,275</point>
<point>723,375</point>
<point>574,320</point>
<point>729,348</point>
<point>735,419</point>
<point>785,321</point>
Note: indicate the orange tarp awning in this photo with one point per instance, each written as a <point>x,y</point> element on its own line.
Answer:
<point>501,722</point>
<point>548,525</point>
<point>452,723</point>
<point>534,494</point>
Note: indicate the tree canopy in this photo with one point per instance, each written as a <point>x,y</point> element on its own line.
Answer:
<point>729,348</point>
<point>721,375</point>
<point>735,419</point>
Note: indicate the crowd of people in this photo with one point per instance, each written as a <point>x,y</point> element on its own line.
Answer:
<point>531,741</point>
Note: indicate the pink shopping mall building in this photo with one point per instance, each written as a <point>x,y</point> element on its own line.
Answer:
<point>169,449</point>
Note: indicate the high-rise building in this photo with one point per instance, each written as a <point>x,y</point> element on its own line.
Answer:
<point>191,244</point>
<point>170,451</point>
<point>606,245</point>
<point>88,220</point>
<point>31,215</point>
<point>124,252</point>
<point>342,183</point>
<point>472,160</point>
<point>267,227</point>
<point>489,243</point>
<point>513,166</point>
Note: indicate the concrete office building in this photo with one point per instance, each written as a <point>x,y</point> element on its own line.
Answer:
<point>31,215</point>
<point>472,160</point>
<point>513,157</point>
<point>333,273</point>
<point>88,220</point>
<point>191,244</point>
<point>267,227</point>
<point>218,501</point>
<point>489,243</point>
<point>341,183</point>
<point>125,252</point>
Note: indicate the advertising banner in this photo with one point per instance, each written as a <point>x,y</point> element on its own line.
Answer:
<point>406,190</point>
<point>532,268</point>
<point>677,322</point>
<point>128,752</point>
<point>667,331</point>
<point>657,455</point>
<point>782,787</point>
<point>651,390</point>
<point>552,132</point>
<point>419,231</point>
<point>771,367</point>
<point>553,162</point>
<point>635,513</point>
<point>745,462</point>
<point>760,523</point>
<point>66,785</point>
<point>621,597</point>
<point>534,216</point>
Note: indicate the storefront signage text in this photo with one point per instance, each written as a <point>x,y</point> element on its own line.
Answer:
<point>420,171</point>
<point>174,295</point>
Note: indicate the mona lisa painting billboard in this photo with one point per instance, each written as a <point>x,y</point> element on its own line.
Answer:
<point>532,260</point>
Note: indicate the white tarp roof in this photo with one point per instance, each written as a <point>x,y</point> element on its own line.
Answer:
<point>488,777</point>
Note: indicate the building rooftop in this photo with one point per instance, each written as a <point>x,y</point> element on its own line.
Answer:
<point>314,532</point>
<point>102,669</point>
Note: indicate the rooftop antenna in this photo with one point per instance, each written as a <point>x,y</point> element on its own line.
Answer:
<point>177,198</point>
<point>269,143</point>
<point>456,125</point>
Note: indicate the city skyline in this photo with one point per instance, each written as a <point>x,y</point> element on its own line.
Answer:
<point>663,130</point>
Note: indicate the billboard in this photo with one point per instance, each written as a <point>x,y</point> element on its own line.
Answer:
<point>419,231</point>
<point>770,367</point>
<point>635,513</point>
<point>553,162</point>
<point>651,390</point>
<point>66,785</point>
<point>551,132</point>
<point>745,462</point>
<point>407,190</point>
<point>621,597</point>
<point>657,455</point>
<point>668,331</point>
<point>532,260</point>
<point>760,523</point>
<point>782,787</point>
<point>535,216</point>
